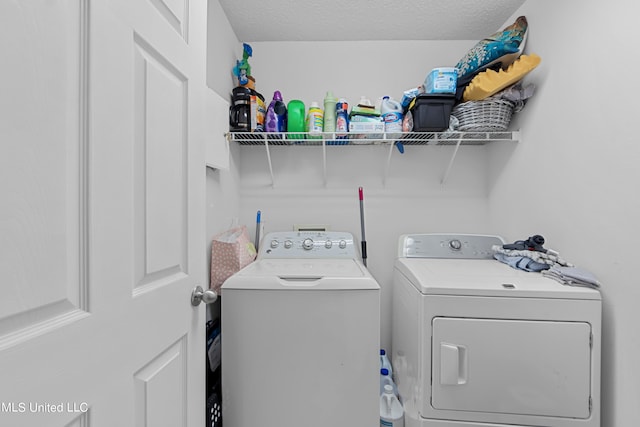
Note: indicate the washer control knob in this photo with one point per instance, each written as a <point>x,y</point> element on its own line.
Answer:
<point>274,244</point>
<point>328,244</point>
<point>455,244</point>
<point>288,244</point>
<point>342,244</point>
<point>307,244</point>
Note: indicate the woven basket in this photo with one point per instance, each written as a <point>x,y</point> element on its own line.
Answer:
<point>484,116</point>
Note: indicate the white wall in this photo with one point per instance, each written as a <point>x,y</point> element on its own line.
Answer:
<point>574,177</point>
<point>223,49</point>
<point>307,70</point>
<point>222,185</point>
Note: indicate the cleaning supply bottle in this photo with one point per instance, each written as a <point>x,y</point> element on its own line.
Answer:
<point>391,411</point>
<point>385,362</point>
<point>391,112</point>
<point>314,121</point>
<point>329,121</point>
<point>295,119</point>
<point>385,379</point>
<point>276,118</point>
<point>342,119</point>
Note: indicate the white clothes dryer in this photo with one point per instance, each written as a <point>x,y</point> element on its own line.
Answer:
<point>477,343</point>
<point>301,336</point>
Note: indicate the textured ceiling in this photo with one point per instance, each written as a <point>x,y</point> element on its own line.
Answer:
<point>350,20</point>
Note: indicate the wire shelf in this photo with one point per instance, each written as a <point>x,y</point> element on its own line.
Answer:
<point>332,139</point>
<point>391,140</point>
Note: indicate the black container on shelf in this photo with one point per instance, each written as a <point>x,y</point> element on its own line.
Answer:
<point>431,112</point>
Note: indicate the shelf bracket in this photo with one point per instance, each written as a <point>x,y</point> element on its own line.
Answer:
<point>453,156</point>
<point>266,146</point>
<point>324,162</point>
<point>386,169</point>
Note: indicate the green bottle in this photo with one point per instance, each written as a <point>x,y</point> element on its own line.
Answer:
<point>295,120</point>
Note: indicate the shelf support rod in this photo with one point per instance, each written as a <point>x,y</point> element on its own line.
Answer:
<point>266,146</point>
<point>453,156</point>
<point>386,169</point>
<point>324,161</point>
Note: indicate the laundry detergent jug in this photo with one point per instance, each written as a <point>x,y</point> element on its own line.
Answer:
<point>391,112</point>
<point>276,118</point>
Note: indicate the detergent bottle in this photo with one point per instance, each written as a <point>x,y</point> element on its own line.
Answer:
<point>342,119</point>
<point>391,411</point>
<point>391,112</point>
<point>314,121</point>
<point>276,117</point>
<point>385,379</point>
<point>329,120</point>
<point>295,119</point>
<point>385,362</point>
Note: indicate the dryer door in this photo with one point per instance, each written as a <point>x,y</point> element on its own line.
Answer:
<point>518,367</point>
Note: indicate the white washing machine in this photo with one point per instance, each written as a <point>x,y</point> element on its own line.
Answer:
<point>300,336</point>
<point>476,343</point>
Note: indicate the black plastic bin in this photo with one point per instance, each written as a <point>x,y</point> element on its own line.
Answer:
<point>214,407</point>
<point>213,379</point>
<point>431,112</point>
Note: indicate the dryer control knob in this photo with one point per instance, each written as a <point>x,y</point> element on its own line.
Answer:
<point>328,244</point>
<point>342,244</point>
<point>274,244</point>
<point>288,244</point>
<point>307,244</point>
<point>455,244</point>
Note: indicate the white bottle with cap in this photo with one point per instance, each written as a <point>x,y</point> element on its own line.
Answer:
<point>314,121</point>
<point>391,411</point>
<point>391,111</point>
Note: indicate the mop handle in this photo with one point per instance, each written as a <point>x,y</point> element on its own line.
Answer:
<point>363,242</point>
<point>258,220</point>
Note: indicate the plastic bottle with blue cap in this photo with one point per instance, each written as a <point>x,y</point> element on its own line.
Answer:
<point>385,362</point>
<point>342,119</point>
<point>385,379</point>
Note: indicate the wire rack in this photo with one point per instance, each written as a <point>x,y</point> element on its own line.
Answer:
<point>333,139</point>
<point>391,140</point>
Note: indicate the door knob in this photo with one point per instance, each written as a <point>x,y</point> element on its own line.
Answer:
<point>199,295</point>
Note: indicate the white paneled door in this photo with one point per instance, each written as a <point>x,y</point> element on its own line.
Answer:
<point>102,212</point>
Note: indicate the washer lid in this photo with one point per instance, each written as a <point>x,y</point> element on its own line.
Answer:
<point>483,277</point>
<point>312,274</point>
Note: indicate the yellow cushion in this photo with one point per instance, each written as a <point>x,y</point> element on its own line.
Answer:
<point>490,82</point>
